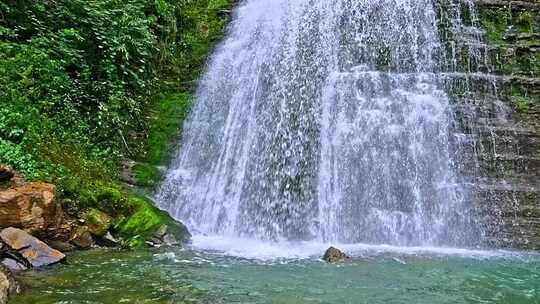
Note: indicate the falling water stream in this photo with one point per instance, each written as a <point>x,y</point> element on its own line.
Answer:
<point>317,123</point>
<point>324,121</point>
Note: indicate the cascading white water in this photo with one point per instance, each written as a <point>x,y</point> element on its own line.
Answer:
<point>325,120</point>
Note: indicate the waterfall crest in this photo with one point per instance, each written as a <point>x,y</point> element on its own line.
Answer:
<point>325,120</point>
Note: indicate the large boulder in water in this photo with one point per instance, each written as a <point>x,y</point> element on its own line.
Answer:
<point>30,206</point>
<point>334,255</point>
<point>36,252</point>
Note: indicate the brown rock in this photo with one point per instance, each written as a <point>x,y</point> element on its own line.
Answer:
<point>30,207</point>
<point>82,238</point>
<point>33,250</point>
<point>334,255</point>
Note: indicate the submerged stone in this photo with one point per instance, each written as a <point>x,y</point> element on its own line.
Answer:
<point>61,246</point>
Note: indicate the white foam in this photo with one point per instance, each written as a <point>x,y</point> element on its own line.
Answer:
<point>267,251</point>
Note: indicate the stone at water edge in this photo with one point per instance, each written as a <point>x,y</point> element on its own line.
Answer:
<point>163,236</point>
<point>334,255</point>
<point>13,265</point>
<point>98,222</point>
<point>108,240</point>
<point>35,251</point>
<point>12,258</point>
<point>8,285</point>
<point>61,246</point>
<point>31,207</point>
<point>82,238</point>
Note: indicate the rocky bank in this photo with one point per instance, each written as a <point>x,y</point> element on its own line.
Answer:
<point>35,230</point>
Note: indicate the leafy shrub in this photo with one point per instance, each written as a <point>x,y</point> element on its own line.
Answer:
<point>77,80</point>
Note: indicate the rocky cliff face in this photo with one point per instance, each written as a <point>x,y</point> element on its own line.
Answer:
<point>496,97</point>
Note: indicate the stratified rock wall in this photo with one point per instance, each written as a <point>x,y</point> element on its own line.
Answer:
<point>495,90</point>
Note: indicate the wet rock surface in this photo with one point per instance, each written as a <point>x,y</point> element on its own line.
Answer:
<point>61,245</point>
<point>36,252</point>
<point>497,112</point>
<point>334,255</point>
<point>108,240</point>
<point>163,236</point>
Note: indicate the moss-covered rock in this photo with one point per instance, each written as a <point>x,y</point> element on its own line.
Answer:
<point>498,109</point>
<point>145,221</point>
<point>82,238</point>
<point>98,222</point>
<point>109,207</point>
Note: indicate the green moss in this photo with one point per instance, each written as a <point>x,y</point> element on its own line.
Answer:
<point>509,31</point>
<point>165,122</point>
<point>146,175</point>
<point>145,220</point>
<point>133,217</point>
<point>205,22</point>
<point>525,22</point>
<point>495,23</point>
<point>498,22</point>
<point>522,98</point>
<point>522,103</point>
<point>97,221</point>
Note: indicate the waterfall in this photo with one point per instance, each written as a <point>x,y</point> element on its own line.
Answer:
<point>324,120</point>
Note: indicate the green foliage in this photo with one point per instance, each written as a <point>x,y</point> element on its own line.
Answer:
<point>500,22</point>
<point>146,175</point>
<point>169,111</point>
<point>522,103</point>
<point>77,79</point>
<point>134,217</point>
<point>197,26</point>
<point>13,154</point>
<point>495,23</point>
<point>80,63</point>
<point>78,93</point>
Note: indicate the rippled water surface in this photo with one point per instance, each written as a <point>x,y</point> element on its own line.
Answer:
<point>377,275</point>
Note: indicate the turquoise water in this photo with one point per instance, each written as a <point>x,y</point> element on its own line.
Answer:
<point>374,276</point>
